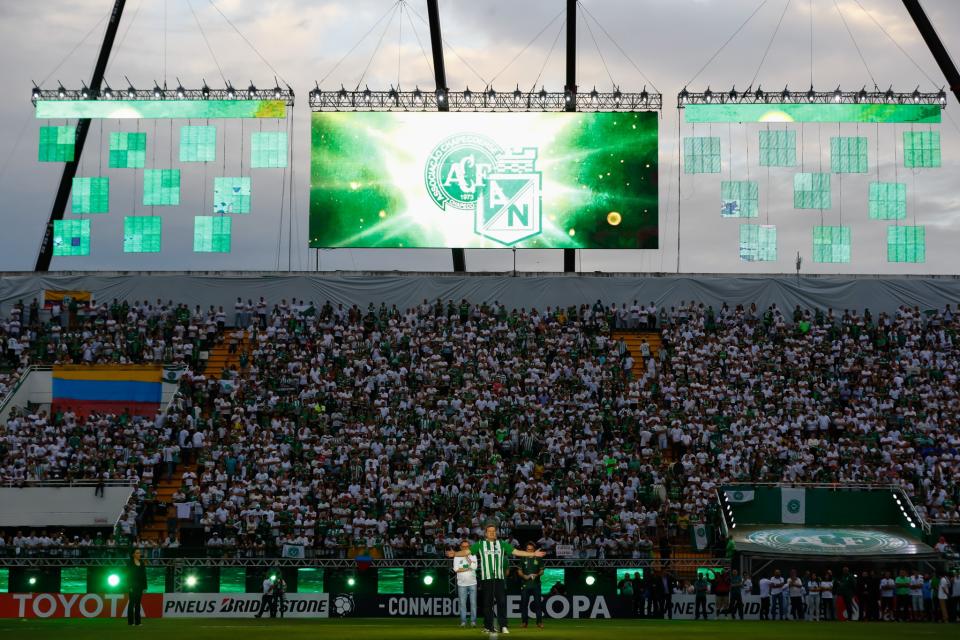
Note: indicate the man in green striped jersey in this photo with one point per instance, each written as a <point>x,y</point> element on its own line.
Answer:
<point>494,556</point>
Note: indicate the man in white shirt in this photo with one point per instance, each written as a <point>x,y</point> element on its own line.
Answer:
<point>813,598</point>
<point>764,598</point>
<point>266,601</point>
<point>916,596</point>
<point>943,595</point>
<point>776,595</point>
<point>826,596</point>
<point>466,569</point>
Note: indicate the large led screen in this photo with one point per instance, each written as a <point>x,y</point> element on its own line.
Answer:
<point>484,180</point>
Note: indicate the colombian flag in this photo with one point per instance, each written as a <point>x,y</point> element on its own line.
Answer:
<point>107,389</point>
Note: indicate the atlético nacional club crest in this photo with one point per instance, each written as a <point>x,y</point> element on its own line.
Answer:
<point>503,189</point>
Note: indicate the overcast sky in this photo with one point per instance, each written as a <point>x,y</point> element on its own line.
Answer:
<point>670,40</point>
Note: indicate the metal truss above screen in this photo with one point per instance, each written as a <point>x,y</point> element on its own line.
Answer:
<point>488,100</point>
<point>812,106</point>
<point>178,103</point>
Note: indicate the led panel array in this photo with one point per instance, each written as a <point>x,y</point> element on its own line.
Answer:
<point>231,195</point>
<point>71,237</point>
<point>701,155</point>
<point>848,155</point>
<point>758,243</point>
<point>778,148</point>
<point>161,187</point>
<point>57,144</point>
<point>921,149</point>
<point>740,199</point>
<point>831,244</point>
<point>128,150</point>
<point>268,149</point>
<point>888,201</point>
<point>141,234</point>
<point>90,195</point>
<point>811,191</point>
<point>906,244</point>
<point>211,234</point>
<point>198,144</point>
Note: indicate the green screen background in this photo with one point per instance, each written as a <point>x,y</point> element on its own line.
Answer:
<point>368,185</point>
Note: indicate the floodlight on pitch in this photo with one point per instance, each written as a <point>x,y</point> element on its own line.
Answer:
<point>517,94</point>
<point>351,581</point>
<point>32,581</point>
<point>251,91</point>
<point>428,579</point>
<point>113,580</point>
<point>35,93</point>
<point>157,91</point>
<point>491,94</point>
<point>441,96</point>
<point>61,92</point>
<point>468,95</point>
<point>191,581</point>
<point>590,580</point>
<point>231,92</point>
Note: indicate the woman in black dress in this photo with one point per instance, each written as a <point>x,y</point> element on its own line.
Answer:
<point>136,585</point>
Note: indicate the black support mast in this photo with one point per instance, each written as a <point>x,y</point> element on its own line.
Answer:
<point>83,127</point>
<point>443,102</point>
<point>570,96</point>
<point>935,44</point>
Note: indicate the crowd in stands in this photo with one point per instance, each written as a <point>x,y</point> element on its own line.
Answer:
<point>405,430</point>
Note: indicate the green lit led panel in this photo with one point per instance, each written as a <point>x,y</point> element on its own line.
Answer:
<point>778,148</point>
<point>268,150</point>
<point>163,109</point>
<point>701,155</point>
<point>71,237</point>
<point>57,144</point>
<point>211,234</point>
<point>161,187</point>
<point>128,150</point>
<point>231,195</point>
<point>906,244</point>
<point>848,155</point>
<point>888,201</point>
<point>141,234</point>
<point>91,195</point>
<point>740,199</point>
<point>921,149</point>
<point>831,244</point>
<point>798,112</point>
<point>198,144</point>
<point>812,191</point>
<point>758,243</point>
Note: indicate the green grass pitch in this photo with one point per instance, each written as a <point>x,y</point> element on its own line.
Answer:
<point>436,629</point>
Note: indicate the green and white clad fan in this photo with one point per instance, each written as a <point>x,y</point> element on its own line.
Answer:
<point>494,557</point>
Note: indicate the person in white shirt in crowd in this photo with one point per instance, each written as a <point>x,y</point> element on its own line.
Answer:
<point>466,569</point>
<point>764,586</point>
<point>826,596</point>
<point>776,595</point>
<point>813,598</point>
<point>943,595</point>
<point>916,596</point>
<point>887,590</point>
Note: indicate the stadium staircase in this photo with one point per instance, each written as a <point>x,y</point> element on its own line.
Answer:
<point>156,529</point>
<point>634,340</point>
<point>221,359</point>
